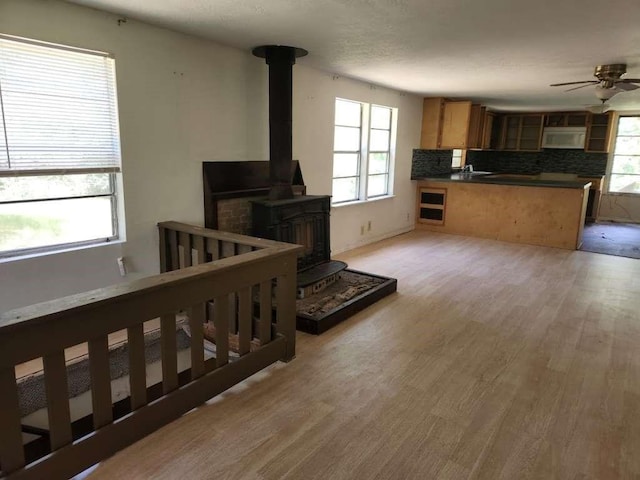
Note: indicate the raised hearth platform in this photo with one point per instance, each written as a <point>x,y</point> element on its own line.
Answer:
<point>353,292</point>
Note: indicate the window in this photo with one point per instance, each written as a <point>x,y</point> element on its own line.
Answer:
<point>625,169</point>
<point>59,147</point>
<point>363,149</point>
<point>456,158</point>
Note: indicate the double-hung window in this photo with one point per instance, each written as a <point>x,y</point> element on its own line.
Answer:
<point>363,149</point>
<point>625,169</point>
<point>59,147</point>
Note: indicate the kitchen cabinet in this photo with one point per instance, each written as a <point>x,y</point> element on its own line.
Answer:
<point>445,124</point>
<point>431,123</point>
<point>522,132</point>
<point>431,205</point>
<point>598,131</point>
<point>476,126</point>
<point>487,130</point>
<point>455,124</point>
<point>566,119</point>
<point>595,196</point>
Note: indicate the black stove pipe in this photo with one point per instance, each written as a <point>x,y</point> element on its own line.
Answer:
<point>280,60</point>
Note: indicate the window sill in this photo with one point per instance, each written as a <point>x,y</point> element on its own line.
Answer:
<point>67,249</point>
<point>622,194</point>
<point>361,202</point>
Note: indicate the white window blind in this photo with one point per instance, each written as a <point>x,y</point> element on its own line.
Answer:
<point>59,111</point>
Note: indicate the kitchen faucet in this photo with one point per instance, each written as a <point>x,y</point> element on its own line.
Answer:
<point>467,168</point>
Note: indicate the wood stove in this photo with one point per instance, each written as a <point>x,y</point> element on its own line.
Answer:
<point>303,220</point>
<point>283,216</point>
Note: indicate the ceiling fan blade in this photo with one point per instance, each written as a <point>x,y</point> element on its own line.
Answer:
<point>573,83</point>
<point>581,86</point>
<point>630,80</point>
<point>627,87</point>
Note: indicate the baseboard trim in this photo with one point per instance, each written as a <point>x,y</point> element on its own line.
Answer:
<point>373,239</point>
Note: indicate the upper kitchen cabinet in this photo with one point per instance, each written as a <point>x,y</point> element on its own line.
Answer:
<point>488,130</point>
<point>431,123</point>
<point>598,132</point>
<point>449,124</point>
<point>566,119</point>
<point>455,124</point>
<point>522,131</point>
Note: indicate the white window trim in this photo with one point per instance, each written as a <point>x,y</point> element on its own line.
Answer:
<point>363,166</point>
<point>612,147</point>
<point>114,171</point>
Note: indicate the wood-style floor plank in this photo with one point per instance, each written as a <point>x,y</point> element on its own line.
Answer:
<point>493,361</point>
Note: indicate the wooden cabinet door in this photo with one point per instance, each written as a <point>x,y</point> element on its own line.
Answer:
<point>522,132</point>
<point>431,123</point>
<point>598,131</point>
<point>511,134</point>
<point>530,132</point>
<point>476,123</point>
<point>487,130</point>
<point>455,124</point>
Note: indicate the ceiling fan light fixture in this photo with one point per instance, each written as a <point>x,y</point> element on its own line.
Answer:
<point>605,93</point>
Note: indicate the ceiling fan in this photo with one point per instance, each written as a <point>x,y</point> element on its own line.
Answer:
<point>608,83</point>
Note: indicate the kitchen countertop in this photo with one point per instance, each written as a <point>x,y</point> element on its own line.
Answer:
<point>547,180</point>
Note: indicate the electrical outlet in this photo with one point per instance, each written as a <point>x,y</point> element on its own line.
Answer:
<point>361,229</point>
<point>408,217</point>
<point>369,226</point>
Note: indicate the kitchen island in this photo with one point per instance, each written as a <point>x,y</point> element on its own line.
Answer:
<point>511,208</point>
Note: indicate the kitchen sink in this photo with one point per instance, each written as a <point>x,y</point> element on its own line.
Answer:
<point>464,175</point>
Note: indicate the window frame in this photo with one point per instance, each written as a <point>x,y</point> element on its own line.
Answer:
<point>45,169</point>
<point>364,153</point>
<point>610,170</point>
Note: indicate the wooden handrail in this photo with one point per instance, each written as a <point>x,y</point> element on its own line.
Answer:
<point>239,287</point>
<point>223,236</point>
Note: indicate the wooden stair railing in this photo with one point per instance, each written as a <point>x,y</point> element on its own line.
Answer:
<point>241,265</point>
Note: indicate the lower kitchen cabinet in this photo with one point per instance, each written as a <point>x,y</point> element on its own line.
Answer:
<point>431,205</point>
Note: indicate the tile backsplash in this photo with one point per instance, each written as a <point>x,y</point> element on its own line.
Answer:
<point>436,162</point>
<point>549,160</point>
<point>430,162</point>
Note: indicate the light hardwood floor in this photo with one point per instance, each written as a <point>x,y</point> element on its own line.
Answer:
<point>493,361</point>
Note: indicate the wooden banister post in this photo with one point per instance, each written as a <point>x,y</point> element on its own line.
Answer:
<point>286,306</point>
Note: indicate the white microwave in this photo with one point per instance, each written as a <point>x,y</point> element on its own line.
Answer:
<point>564,137</point>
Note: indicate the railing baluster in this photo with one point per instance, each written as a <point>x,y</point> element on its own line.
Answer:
<point>228,249</point>
<point>265,312</point>
<point>100,381</point>
<point>185,241</point>
<point>213,248</point>
<point>244,249</point>
<point>169,350</point>
<point>55,380</point>
<point>196,321</point>
<point>199,246</point>
<point>233,313</point>
<point>221,322</point>
<point>11,451</point>
<point>286,307</point>
<point>162,234</point>
<point>137,366</point>
<point>244,321</point>
<point>174,252</point>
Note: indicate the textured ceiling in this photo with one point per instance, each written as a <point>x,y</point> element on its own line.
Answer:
<point>504,53</point>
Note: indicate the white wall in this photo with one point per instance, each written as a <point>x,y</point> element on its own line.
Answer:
<point>182,101</point>
<point>620,208</point>
<point>314,96</point>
